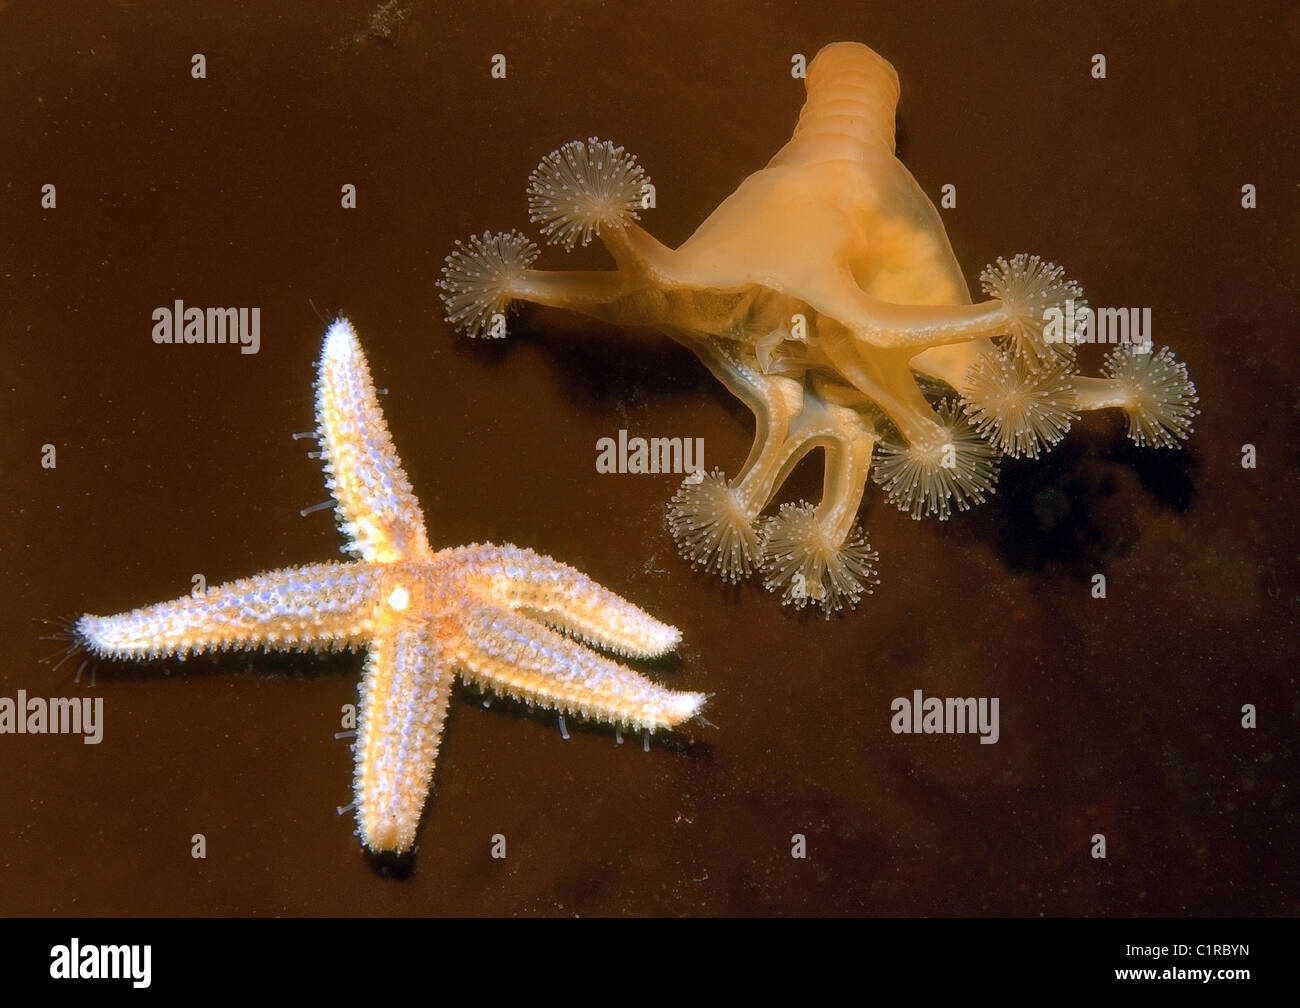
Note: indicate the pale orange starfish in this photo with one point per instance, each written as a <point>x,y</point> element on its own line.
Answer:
<point>488,612</point>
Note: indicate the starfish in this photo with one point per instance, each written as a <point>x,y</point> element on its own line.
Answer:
<point>504,618</point>
<point>824,294</point>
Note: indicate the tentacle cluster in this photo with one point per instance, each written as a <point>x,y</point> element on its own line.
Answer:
<point>1030,287</point>
<point>805,564</point>
<point>582,187</point>
<point>1020,409</point>
<point>795,552</point>
<point>1160,397</point>
<point>478,276</point>
<point>951,466</point>
<point>712,528</point>
<point>1025,396</point>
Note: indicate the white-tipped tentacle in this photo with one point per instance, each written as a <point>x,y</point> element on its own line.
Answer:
<point>1019,409</point>
<point>952,465</point>
<point>1029,288</point>
<point>803,562</point>
<point>1160,397</point>
<point>708,519</point>
<point>584,186</point>
<point>478,277</point>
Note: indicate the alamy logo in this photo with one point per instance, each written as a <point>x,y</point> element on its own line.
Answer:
<point>55,716</point>
<point>946,716</point>
<point>179,324</point>
<point>649,455</point>
<point>1100,325</point>
<point>75,961</point>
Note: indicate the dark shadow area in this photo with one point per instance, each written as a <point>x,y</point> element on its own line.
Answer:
<point>390,864</point>
<point>1065,510</point>
<point>603,363</point>
<point>1169,475</point>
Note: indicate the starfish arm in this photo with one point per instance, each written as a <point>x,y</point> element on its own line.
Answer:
<point>566,599</point>
<point>404,697</point>
<point>376,506</point>
<point>320,605</point>
<point>521,658</point>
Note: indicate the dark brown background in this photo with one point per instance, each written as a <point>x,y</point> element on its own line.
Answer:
<point>1120,717</point>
